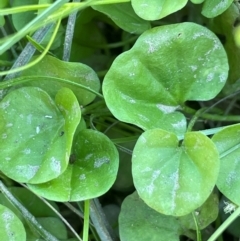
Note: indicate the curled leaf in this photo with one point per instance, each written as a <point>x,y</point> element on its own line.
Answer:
<point>35,134</point>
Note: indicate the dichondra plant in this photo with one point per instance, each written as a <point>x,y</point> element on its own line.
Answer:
<point>144,101</point>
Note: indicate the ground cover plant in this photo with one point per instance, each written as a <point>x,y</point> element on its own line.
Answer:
<point>119,120</point>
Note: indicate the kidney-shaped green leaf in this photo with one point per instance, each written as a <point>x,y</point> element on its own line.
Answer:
<point>11,228</point>
<point>156,9</point>
<point>91,172</point>
<point>35,134</point>
<point>167,66</point>
<point>173,179</point>
<point>75,72</point>
<point>124,16</point>
<point>213,8</point>
<point>139,222</point>
<point>227,142</point>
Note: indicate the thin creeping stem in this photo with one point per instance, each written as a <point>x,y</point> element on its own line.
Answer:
<point>220,101</point>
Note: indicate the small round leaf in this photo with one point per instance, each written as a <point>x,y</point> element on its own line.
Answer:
<point>124,16</point>
<point>213,8</point>
<point>156,9</point>
<point>91,172</point>
<point>168,65</point>
<point>173,179</point>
